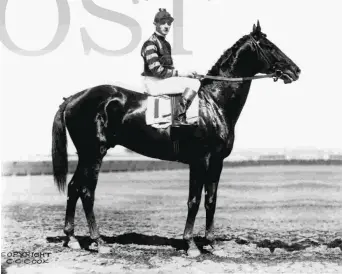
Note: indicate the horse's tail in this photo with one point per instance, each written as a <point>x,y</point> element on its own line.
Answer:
<point>59,149</point>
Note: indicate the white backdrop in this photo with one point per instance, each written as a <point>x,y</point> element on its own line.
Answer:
<point>305,114</point>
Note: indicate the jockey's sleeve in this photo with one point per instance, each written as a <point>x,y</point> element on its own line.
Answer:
<point>151,57</point>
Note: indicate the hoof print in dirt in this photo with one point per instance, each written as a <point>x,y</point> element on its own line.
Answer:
<point>208,248</point>
<point>104,250</point>
<point>242,241</point>
<point>220,253</point>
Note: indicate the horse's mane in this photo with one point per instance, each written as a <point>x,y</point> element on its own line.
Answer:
<point>229,55</point>
<point>216,114</point>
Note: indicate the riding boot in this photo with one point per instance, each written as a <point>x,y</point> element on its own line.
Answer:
<point>183,105</point>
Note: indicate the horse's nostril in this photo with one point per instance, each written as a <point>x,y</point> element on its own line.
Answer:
<point>298,71</point>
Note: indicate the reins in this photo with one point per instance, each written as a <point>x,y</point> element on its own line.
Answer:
<point>276,75</point>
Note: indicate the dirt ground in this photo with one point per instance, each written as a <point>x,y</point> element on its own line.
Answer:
<point>272,219</point>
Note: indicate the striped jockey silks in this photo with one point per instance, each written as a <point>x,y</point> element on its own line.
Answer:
<point>156,53</point>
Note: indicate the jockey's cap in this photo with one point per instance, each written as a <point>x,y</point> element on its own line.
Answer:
<point>163,14</point>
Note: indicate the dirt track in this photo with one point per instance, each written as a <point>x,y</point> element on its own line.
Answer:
<point>268,220</point>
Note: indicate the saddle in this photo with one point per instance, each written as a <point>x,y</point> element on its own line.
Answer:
<point>161,109</point>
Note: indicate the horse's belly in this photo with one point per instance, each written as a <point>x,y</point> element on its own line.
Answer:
<point>147,141</point>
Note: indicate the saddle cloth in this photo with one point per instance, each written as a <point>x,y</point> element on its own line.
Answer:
<point>158,111</point>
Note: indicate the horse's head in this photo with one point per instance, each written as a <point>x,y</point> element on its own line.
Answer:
<point>271,58</point>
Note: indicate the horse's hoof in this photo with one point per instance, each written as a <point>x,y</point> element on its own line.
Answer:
<point>193,253</point>
<point>73,243</point>
<point>104,250</point>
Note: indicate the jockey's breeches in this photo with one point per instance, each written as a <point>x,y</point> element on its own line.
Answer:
<point>172,85</point>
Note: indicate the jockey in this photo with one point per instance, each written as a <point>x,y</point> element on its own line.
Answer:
<point>160,76</point>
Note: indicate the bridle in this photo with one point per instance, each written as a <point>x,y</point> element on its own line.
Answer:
<point>261,51</point>
<point>275,75</point>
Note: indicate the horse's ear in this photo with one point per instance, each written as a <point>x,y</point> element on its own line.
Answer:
<point>254,28</point>
<point>258,28</point>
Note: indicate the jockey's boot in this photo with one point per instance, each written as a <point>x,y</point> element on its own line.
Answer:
<point>184,103</point>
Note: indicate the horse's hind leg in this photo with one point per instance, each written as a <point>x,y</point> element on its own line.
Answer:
<point>74,191</point>
<point>83,185</point>
<point>90,168</point>
<point>73,196</point>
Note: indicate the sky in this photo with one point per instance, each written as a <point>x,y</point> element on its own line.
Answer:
<point>304,114</point>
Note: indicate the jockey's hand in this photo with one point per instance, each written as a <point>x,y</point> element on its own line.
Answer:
<point>193,74</point>
<point>189,74</point>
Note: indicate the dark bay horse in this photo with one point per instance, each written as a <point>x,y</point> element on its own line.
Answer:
<point>104,116</point>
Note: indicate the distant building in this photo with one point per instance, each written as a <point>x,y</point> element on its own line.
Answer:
<point>272,157</point>
<point>335,157</point>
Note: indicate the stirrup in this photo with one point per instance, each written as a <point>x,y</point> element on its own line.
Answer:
<point>181,124</point>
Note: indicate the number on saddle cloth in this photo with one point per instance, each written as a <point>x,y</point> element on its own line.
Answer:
<point>174,101</point>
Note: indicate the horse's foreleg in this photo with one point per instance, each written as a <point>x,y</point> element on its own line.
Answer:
<point>211,185</point>
<point>197,175</point>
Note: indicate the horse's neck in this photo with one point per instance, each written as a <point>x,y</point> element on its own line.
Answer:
<point>230,97</point>
<point>236,93</point>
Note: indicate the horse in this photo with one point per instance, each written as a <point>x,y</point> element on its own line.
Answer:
<point>104,116</point>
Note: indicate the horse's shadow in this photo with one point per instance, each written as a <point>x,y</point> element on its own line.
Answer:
<point>134,238</point>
